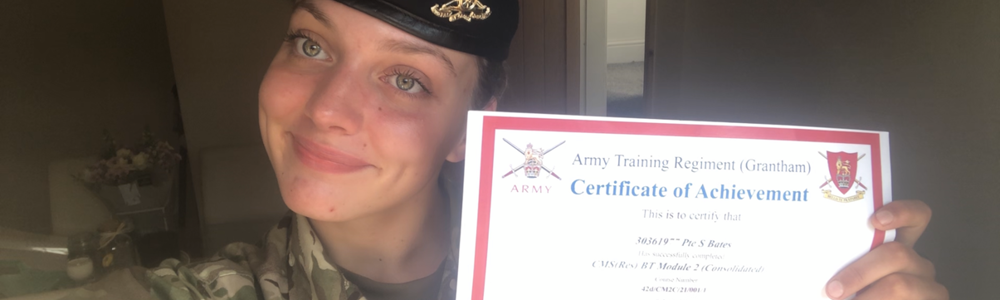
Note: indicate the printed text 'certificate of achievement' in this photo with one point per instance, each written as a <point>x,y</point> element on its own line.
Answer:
<point>563,207</point>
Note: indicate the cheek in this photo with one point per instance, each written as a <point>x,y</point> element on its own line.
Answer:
<point>281,99</point>
<point>418,139</point>
<point>403,136</point>
<point>283,95</point>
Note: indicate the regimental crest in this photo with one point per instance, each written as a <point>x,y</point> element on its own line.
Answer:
<point>843,176</point>
<point>533,164</point>
<point>461,9</point>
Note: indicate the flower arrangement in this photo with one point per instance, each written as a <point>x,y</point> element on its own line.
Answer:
<point>119,164</point>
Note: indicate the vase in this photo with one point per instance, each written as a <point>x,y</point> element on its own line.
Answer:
<point>149,202</point>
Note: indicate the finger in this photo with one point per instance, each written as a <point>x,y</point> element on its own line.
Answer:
<point>886,259</point>
<point>908,217</point>
<point>899,286</point>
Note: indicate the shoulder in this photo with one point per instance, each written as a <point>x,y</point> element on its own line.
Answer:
<point>227,275</point>
<point>237,271</point>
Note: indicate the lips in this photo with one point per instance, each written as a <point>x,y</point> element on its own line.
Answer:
<point>326,159</point>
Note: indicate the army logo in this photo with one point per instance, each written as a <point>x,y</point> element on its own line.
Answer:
<point>532,164</point>
<point>843,170</point>
<point>461,9</point>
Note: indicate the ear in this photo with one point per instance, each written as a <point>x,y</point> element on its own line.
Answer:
<point>457,154</point>
<point>492,105</point>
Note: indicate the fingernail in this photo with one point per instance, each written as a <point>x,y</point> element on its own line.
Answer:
<point>834,289</point>
<point>884,217</point>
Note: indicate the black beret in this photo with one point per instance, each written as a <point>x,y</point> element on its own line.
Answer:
<point>479,27</point>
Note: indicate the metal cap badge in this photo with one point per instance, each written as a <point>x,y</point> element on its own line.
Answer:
<point>486,32</point>
<point>462,9</point>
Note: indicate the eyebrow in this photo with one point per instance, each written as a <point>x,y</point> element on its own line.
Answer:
<point>413,48</point>
<point>311,8</point>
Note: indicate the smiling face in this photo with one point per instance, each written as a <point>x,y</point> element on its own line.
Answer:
<point>358,116</point>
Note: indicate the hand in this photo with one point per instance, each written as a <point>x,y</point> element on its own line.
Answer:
<point>892,270</point>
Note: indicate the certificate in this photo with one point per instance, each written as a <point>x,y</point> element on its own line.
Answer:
<point>566,207</point>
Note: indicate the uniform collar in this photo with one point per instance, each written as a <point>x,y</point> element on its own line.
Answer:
<point>313,275</point>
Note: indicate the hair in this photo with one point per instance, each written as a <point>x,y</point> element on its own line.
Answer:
<point>492,82</point>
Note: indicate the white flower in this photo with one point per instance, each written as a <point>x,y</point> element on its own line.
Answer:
<point>140,161</point>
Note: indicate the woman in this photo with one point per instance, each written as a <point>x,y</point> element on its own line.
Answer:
<point>359,110</point>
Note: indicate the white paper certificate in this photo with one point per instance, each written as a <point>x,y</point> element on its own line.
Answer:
<point>561,207</point>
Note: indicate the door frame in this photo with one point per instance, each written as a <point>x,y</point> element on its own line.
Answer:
<point>586,59</point>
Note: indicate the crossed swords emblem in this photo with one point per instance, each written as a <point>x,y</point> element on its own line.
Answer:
<point>858,180</point>
<point>529,156</point>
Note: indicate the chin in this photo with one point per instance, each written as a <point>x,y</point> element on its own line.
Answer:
<point>317,199</point>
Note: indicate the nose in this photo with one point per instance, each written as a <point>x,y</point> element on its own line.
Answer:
<point>338,101</point>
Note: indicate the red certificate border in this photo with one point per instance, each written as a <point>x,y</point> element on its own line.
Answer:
<point>492,123</point>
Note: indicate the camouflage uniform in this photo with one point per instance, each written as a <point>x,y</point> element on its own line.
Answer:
<point>291,265</point>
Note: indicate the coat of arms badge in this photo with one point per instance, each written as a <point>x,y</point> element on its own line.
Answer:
<point>532,165</point>
<point>843,176</point>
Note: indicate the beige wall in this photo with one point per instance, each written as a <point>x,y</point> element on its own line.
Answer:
<point>68,70</point>
<point>626,30</point>
<point>926,71</point>
<point>626,20</point>
<point>220,51</point>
